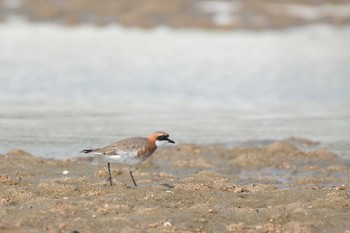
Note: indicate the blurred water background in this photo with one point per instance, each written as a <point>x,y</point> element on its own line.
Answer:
<point>70,87</point>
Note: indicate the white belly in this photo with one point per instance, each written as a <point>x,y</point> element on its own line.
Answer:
<point>124,159</point>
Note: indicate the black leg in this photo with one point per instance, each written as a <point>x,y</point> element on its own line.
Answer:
<point>109,174</point>
<point>133,180</point>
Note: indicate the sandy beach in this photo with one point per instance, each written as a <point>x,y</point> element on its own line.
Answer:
<point>243,75</point>
<point>286,186</point>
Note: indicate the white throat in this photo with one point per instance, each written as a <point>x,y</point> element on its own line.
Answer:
<point>160,143</point>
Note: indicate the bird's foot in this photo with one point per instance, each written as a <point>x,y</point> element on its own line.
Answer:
<point>110,180</point>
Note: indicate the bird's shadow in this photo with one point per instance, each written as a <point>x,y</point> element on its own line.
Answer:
<point>169,186</point>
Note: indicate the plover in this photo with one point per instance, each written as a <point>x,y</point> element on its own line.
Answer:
<point>131,150</point>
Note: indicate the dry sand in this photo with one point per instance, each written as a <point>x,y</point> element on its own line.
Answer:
<point>187,188</point>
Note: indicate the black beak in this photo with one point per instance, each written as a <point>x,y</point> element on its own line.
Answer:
<point>169,140</point>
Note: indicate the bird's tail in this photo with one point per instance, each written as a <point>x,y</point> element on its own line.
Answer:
<point>86,151</point>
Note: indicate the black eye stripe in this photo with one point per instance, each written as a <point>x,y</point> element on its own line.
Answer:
<point>162,138</point>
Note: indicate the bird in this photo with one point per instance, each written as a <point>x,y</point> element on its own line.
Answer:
<point>130,151</point>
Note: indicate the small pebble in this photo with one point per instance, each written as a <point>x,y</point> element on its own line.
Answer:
<point>152,225</point>
<point>62,225</point>
<point>65,172</point>
<point>167,224</point>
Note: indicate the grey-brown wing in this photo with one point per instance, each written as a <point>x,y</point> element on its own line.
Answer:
<point>124,146</point>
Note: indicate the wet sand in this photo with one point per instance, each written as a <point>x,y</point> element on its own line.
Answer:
<point>187,188</point>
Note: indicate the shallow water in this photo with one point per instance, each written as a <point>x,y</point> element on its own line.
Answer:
<point>67,89</point>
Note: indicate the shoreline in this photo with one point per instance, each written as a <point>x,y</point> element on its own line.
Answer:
<point>273,188</point>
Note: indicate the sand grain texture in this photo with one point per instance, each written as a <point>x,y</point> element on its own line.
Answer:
<point>188,188</point>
